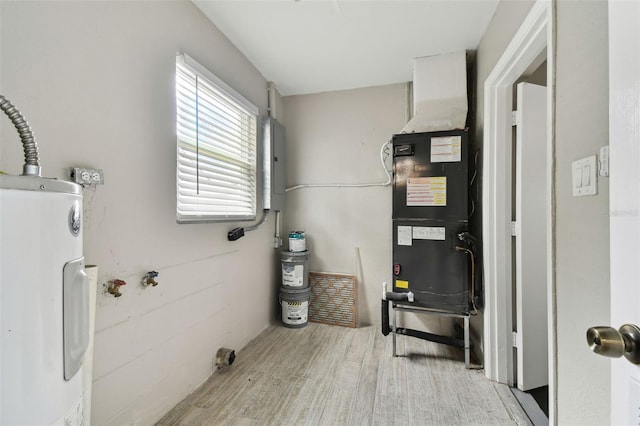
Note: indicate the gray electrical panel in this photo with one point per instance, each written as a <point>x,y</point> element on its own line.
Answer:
<point>274,166</point>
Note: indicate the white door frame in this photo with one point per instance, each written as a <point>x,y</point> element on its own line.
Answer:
<point>534,35</point>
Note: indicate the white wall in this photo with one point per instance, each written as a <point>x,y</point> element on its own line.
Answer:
<point>335,137</point>
<point>96,81</point>
<point>582,224</point>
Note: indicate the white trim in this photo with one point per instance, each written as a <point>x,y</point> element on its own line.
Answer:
<point>533,36</point>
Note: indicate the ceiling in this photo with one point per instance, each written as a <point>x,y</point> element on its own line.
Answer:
<point>310,46</point>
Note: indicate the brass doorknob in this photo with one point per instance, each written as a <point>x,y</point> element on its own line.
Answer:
<point>608,341</point>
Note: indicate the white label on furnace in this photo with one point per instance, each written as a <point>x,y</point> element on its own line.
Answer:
<point>446,149</point>
<point>294,313</point>
<point>292,275</point>
<point>427,191</point>
<point>404,236</point>
<point>428,233</point>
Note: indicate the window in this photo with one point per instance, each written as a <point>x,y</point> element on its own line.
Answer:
<point>216,147</point>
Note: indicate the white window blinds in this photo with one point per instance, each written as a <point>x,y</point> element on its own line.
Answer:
<point>216,147</point>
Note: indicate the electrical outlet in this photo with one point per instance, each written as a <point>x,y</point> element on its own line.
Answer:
<point>277,242</point>
<point>97,177</point>
<point>87,177</point>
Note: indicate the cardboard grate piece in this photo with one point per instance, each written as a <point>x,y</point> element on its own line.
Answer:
<point>333,299</point>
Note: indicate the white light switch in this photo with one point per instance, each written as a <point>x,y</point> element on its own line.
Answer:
<point>584,176</point>
<point>577,178</point>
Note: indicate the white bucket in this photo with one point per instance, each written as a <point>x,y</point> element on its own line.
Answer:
<point>295,306</point>
<point>295,269</point>
<point>296,241</point>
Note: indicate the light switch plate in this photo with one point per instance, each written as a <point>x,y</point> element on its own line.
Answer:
<point>584,181</point>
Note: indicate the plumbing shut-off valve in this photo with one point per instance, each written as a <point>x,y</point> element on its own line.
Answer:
<point>113,287</point>
<point>150,279</point>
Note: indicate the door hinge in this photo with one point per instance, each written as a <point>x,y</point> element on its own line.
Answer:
<point>515,341</point>
<point>515,229</point>
<point>516,118</point>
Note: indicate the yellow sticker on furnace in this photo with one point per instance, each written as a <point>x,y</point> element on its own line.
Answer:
<point>427,191</point>
<point>402,284</point>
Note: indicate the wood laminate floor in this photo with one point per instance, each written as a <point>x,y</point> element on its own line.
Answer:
<point>327,375</point>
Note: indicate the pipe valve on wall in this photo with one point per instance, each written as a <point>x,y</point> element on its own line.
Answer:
<point>149,279</point>
<point>113,287</point>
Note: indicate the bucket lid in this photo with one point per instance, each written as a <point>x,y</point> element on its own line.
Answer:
<point>295,290</point>
<point>295,253</point>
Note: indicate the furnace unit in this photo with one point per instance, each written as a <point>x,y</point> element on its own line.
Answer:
<point>433,251</point>
<point>430,211</point>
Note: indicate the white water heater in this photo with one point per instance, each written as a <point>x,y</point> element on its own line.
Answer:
<point>44,301</point>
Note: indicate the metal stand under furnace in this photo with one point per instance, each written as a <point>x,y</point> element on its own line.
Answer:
<point>433,251</point>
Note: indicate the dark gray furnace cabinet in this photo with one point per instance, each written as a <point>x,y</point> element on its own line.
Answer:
<point>430,211</point>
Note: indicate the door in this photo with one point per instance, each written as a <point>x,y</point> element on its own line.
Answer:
<point>530,237</point>
<point>624,143</point>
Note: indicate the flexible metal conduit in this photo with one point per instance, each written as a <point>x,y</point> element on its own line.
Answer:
<point>32,163</point>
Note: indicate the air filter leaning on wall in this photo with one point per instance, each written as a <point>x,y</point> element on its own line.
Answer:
<point>333,299</point>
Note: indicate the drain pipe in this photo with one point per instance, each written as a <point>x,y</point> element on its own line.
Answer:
<point>32,164</point>
<point>409,297</point>
<point>386,329</point>
<point>390,295</point>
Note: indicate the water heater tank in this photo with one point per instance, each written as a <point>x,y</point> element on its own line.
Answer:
<point>44,315</point>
